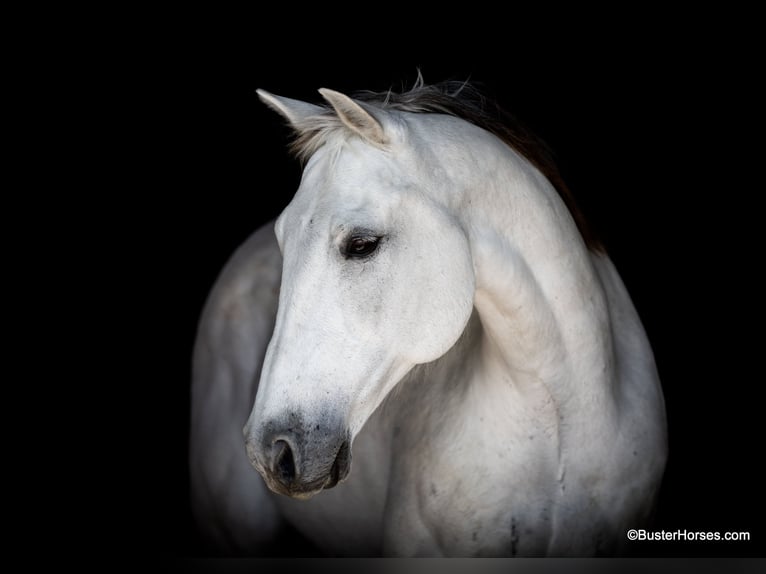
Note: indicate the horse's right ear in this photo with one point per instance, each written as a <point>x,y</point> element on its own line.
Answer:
<point>294,111</point>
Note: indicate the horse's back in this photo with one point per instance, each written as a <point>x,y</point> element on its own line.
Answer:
<point>231,504</point>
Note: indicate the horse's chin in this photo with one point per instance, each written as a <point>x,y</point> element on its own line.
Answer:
<point>308,491</point>
<point>303,495</point>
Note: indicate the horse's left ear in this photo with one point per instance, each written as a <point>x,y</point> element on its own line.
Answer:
<point>294,111</point>
<point>355,116</point>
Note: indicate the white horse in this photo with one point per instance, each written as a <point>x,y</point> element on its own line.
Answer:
<point>442,321</point>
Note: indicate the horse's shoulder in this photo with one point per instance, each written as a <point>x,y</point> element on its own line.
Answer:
<point>248,282</point>
<point>240,311</point>
<point>231,341</point>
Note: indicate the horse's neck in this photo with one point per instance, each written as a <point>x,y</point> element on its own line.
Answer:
<point>541,304</point>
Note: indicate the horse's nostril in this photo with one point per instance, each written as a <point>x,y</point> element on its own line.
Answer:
<point>284,463</point>
<point>340,466</point>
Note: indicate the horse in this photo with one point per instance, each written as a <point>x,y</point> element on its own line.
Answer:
<point>430,352</point>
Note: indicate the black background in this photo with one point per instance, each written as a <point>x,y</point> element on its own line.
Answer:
<point>650,148</point>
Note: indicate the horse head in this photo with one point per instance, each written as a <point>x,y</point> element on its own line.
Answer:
<point>377,278</point>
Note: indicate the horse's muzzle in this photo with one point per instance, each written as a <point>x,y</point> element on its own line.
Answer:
<point>297,462</point>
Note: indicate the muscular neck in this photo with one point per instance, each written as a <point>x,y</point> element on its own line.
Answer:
<point>541,305</point>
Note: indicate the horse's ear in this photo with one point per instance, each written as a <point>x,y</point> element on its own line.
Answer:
<point>355,116</point>
<point>294,111</point>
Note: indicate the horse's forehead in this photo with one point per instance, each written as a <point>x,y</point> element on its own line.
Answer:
<point>356,161</point>
<point>353,177</point>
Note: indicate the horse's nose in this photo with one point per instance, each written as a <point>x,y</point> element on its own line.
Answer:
<point>298,463</point>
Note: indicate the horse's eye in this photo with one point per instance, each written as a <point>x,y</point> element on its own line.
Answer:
<point>360,246</point>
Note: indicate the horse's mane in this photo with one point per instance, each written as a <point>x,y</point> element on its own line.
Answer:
<point>461,100</point>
